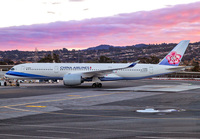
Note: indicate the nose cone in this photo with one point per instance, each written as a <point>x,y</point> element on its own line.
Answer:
<point>8,74</point>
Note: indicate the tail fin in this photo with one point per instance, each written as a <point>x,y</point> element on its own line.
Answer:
<point>175,56</point>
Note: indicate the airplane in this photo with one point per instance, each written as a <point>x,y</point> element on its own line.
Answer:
<point>76,73</point>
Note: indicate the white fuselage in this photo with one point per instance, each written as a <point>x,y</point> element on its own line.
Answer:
<point>77,73</point>
<point>58,70</point>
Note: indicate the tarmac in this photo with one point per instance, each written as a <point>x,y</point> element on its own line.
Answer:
<point>123,109</point>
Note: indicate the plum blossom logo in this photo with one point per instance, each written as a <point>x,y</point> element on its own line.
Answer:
<point>173,58</point>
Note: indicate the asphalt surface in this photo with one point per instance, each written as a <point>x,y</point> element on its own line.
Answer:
<point>49,111</point>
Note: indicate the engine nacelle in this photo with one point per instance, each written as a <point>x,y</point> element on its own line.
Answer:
<point>72,79</point>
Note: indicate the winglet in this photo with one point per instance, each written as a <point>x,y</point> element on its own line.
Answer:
<point>133,64</point>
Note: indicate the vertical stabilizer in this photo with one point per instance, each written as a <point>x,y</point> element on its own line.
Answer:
<point>175,56</point>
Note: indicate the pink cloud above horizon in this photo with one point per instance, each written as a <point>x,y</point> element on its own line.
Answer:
<point>171,24</point>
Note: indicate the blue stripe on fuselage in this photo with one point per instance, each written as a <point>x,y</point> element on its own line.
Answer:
<point>27,75</point>
<point>34,76</point>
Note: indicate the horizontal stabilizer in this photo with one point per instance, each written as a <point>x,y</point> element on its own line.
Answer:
<point>176,68</point>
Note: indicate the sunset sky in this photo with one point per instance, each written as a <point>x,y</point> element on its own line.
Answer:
<point>79,24</point>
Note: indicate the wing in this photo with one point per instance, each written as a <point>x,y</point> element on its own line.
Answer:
<point>100,73</point>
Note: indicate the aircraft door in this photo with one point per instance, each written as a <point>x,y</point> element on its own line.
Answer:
<point>22,68</point>
<point>56,69</point>
<point>151,70</point>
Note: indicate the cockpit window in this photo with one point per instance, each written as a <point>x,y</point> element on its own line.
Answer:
<point>12,69</point>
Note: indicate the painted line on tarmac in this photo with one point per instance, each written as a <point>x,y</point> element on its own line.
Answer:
<point>34,106</point>
<point>54,100</point>
<point>102,116</point>
<point>86,115</point>
<point>73,95</point>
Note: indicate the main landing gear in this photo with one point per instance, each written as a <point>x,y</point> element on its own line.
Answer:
<point>94,85</point>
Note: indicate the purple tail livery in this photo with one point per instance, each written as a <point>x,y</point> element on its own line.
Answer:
<point>175,56</point>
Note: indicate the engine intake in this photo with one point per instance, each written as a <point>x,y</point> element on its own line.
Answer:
<point>72,79</point>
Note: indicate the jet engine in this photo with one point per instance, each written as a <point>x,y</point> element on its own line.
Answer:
<point>72,79</point>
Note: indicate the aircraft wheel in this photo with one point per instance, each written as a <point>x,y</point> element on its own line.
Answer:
<point>94,85</point>
<point>5,83</point>
<point>17,84</point>
<point>99,85</point>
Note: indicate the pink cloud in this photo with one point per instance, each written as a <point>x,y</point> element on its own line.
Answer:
<point>170,24</point>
